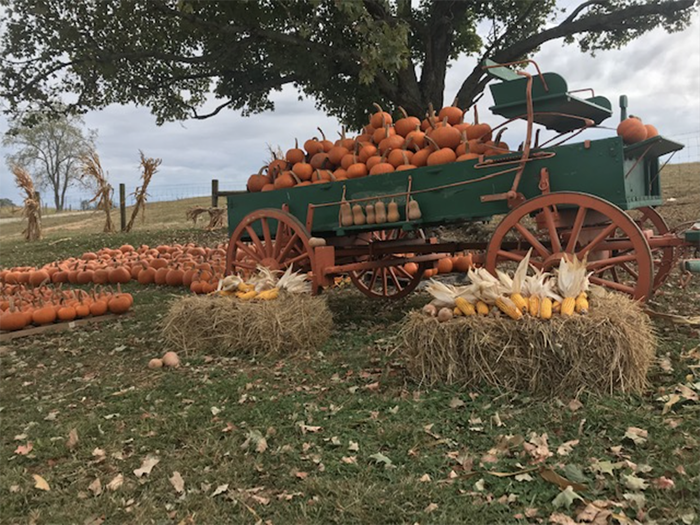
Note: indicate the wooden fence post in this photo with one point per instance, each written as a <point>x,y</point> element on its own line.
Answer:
<point>214,193</point>
<point>122,205</point>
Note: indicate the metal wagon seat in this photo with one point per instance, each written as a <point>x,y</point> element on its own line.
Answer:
<point>555,107</point>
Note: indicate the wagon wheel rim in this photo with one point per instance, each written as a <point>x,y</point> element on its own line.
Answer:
<point>648,218</point>
<point>594,224</point>
<point>390,282</point>
<point>271,238</point>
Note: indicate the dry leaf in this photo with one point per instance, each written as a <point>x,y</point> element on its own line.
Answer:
<point>23,450</point>
<point>663,483</point>
<point>353,446</point>
<point>40,483</point>
<point>373,386</point>
<point>177,482</point>
<point>425,478</point>
<point>95,487</point>
<point>456,402</point>
<point>560,481</point>
<point>575,405</point>
<point>566,447</point>
<point>565,498</point>
<point>538,448</point>
<point>480,485</point>
<point>349,460</point>
<point>72,439</point>
<point>215,411</point>
<point>301,475</point>
<point>146,466</point>
<point>430,508</point>
<point>632,482</point>
<point>558,518</point>
<point>220,490</point>
<point>94,520</point>
<point>260,499</point>
<point>117,482</point>
<point>637,435</point>
<point>308,428</point>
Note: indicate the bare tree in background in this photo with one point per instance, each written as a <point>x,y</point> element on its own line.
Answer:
<point>51,149</point>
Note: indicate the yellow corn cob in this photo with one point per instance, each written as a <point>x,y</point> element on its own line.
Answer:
<point>457,312</point>
<point>546,308</point>
<point>556,307</point>
<point>245,287</point>
<point>519,301</point>
<point>534,305</point>
<point>508,308</point>
<point>567,306</point>
<point>245,296</point>
<point>581,304</point>
<point>269,294</point>
<point>225,293</point>
<point>482,308</point>
<point>465,306</point>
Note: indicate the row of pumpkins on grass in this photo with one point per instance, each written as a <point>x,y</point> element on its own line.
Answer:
<point>384,146</point>
<point>196,267</point>
<point>21,306</point>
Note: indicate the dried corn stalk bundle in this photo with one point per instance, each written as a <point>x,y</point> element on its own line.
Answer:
<point>149,167</point>
<point>217,216</point>
<point>92,169</point>
<point>32,207</point>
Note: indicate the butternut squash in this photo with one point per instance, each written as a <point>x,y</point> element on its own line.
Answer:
<point>414,212</point>
<point>345,214</point>
<point>379,212</point>
<point>369,209</point>
<point>392,214</point>
<point>358,217</point>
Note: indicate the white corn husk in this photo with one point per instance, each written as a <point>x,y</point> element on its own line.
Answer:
<point>229,283</point>
<point>541,285</point>
<point>443,294</point>
<point>571,277</point>
<point>264,280</point>
<point>520,275</point>
<point>294,282</point>
<point>487,288</point>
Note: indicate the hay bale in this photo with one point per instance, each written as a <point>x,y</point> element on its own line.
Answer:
<point>610,349</point>
<point>222,325</point>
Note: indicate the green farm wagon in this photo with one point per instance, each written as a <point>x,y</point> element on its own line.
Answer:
<point>595,198</point>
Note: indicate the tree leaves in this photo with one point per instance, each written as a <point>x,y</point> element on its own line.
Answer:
<point>565,498</point>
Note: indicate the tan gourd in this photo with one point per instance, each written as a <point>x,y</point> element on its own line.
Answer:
<point>345,214</point>
<point>392,214</point>
<point>369,209</point>
<point>380,212</point>
<point>414,212</point>
<point>357,216</point>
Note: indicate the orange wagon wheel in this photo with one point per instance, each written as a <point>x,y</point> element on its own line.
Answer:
<point>389,282</point>
<point>561,223</point>
<point>648,219</point>
<point>271,238</point>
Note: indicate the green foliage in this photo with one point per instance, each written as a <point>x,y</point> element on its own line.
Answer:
<point>173,56</point>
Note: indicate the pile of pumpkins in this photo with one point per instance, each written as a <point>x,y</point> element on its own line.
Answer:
<point>24,305</point>
<point>458,263</point>
<point>633,130</point>
<point>195,267</point>
<point>384,146</point>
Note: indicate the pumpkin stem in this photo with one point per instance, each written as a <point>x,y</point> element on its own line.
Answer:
<point>476,114</point>
<point>432,143</point>
<point>407,143</point>
<point>537,138</point>
<point>403,112</point>
<point>323,135</point>
<point>455,101</point>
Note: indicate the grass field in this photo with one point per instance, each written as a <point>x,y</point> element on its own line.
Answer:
<point>349,437</point>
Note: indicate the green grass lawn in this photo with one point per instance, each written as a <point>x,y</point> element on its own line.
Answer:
<point>349,437</point>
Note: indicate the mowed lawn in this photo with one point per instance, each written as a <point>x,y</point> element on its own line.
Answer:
<point>340,435</point>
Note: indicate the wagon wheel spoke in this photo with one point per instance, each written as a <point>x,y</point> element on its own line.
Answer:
<point>552,229</point>
<point>576,229</point>
<point>530,237</point>
<point>395,279</point>
<point>403,272</point>
<point>296,259</point>
<point>285,252</point>
<point>245,249</point>
<point>373,279</point>
<point>629,270</point>
<point>607,232</point>
<point>267,237</point>
<point>613,285</point>
<point>609,262</point>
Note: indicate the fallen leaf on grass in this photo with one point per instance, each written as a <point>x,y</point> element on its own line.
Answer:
<point>40,483</point>
<point>538,447</point>
<point>637,498</point>
<point>632,482</point>
<point>670,401</point>
<point>353,446</point>
<point>23,450</point>
<point>51,416</point>
<point>425,478</point>
<point>560,481</point>
<point>117,482</point>
<point>219,490</point>
<point>561,519</point>
<point>637,435</point>
<point>301,475</point>
<point>95,487</point>
<point>575,405</point>
<point>308,428</point>
<point>566,447</point>
<point>663,483</point>
<point>255,438</point>
<point>349,460</point>
<point>523,477</point>
<point>480,485</point>
<point>146,466</point>
<point>456,402</point>
<point>430,508</point>
<point>94,520</point>
<point>177,482</point>
<point>381,458</point>
<point>20,437</point>
<point>593,514</point>
<point>72,439</point>
<point>565,498</point>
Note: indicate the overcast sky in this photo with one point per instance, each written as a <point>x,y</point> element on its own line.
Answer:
<point>660,73</point>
